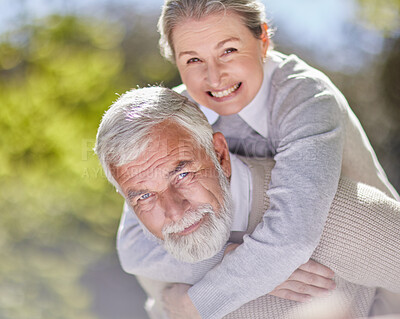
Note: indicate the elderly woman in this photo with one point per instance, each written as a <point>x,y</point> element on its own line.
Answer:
<point>267,105</point>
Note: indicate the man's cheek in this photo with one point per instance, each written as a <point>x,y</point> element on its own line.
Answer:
<point>154,222</point>
<point>199,193</point>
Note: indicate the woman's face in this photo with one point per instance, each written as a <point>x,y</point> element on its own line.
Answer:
<point>220,61</point>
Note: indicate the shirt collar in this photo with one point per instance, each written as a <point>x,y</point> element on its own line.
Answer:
<point>211,116</point>
<point>255,114</point>
<point>241,190</point>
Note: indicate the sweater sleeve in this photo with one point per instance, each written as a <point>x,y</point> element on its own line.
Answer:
<point>361,238</point>
<point>141,254</point>
<point>307,134</point>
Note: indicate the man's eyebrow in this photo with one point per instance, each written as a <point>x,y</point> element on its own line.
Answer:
<point>179,167</point>
<point>131,193</point>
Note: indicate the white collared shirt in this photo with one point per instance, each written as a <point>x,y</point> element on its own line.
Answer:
<point>241,189</point>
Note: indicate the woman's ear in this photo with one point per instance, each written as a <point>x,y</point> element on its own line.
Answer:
<point>264,38</point>
<point>222,151</point>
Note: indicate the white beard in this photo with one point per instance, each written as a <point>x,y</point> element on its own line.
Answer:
<point>208,239</point>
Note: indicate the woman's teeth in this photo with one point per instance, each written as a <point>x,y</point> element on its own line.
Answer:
<point>225,92</point>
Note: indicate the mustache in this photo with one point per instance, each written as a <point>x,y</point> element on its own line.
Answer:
<point>189,218</point>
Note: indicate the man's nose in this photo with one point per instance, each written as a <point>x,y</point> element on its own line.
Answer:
<point>174,204</point>
<point>215,72</point>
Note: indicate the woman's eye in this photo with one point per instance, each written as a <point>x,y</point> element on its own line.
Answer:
<point>193,60</point>
<point>230,50</point>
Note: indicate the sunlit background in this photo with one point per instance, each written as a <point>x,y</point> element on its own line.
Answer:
<point>61,65</point>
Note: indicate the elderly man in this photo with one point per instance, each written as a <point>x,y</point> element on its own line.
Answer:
<point>159,152</point>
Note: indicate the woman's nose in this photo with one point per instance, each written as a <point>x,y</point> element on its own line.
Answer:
<point>214,74</point>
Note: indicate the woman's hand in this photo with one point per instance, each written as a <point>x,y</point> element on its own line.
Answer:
<point>309,280</point>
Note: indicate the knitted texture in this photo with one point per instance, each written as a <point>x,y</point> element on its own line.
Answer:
<point>360,242</point>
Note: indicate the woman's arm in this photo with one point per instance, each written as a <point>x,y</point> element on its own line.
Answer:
<point>361,239</point>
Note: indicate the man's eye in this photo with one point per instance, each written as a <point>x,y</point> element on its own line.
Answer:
<point>230,50</point>
<point>145,196</point>
<point>193,60</point>
<point>182,175</point>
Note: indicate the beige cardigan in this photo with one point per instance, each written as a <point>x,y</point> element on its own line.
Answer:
<point>360,242</point>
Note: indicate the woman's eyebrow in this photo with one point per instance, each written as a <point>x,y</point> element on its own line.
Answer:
<point>222,43</point>
<point>219,45</point>
<point>187,53</point>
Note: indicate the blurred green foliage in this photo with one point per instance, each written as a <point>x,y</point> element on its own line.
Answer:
<point>382,16</point>
<point>58,213</point>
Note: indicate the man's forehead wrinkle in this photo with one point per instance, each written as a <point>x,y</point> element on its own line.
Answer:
<point>131,171</point>
<point>169,150</point>
<point>162,167</point>
<point>154,167</point>
<point>123,174</point>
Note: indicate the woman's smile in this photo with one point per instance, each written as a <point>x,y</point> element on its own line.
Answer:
<point>225,93</point>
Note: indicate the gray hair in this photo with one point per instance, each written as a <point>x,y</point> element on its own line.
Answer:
<point>125,128</point>
<point>175,11</point>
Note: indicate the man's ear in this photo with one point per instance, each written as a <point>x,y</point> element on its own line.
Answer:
<point>222,151</point>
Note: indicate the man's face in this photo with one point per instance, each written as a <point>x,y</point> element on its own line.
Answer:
<point>175,191</point>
